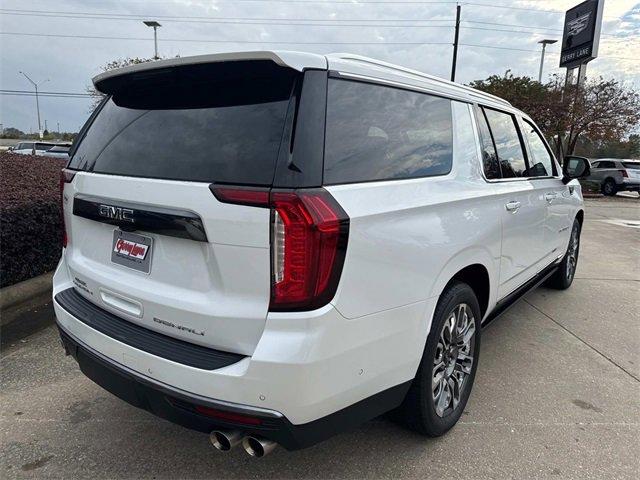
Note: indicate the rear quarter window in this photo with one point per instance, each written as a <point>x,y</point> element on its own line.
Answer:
<point>375,132</point>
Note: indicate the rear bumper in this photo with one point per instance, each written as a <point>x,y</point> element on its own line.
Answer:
<point>180,407</point>
<point>315,373</point>
<point>628,184</point>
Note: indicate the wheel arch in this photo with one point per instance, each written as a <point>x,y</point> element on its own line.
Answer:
<point>475,267</point>
<point>477,277</point>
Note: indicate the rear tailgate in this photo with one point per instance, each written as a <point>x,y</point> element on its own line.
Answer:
<point>148,240</point>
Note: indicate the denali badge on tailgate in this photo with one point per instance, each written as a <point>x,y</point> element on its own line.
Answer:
<point>132,250</point>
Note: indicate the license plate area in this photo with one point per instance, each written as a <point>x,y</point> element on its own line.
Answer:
<point>132,250</point>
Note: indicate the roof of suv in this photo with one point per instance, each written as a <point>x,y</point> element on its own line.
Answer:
<point>346,64</point>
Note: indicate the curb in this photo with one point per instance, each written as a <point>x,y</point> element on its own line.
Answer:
<point>24,291</point>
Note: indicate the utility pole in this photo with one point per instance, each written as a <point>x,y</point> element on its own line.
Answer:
<point>155,25</point>
<point>455,44</point>
<point>35,85</point>
<point>45,125</point>
<point>58,127</point>
<point>544,43</point>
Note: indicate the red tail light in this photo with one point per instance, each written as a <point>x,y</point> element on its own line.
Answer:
<point>309,233</point>
<point>66,176</point>
<point>624,173</point>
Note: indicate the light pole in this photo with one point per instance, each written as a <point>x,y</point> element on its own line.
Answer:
<point>155,25</point>
<point>35,85</point>
<point>544,43</point>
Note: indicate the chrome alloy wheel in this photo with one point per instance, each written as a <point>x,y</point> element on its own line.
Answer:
<point>572,253</point>
<point>453,360</point>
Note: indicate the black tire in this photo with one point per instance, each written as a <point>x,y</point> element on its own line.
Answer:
<point>418,411</point>
<point>609,187</point>
<point>563,278</point>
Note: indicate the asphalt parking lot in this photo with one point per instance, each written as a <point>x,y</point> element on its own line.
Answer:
<point>557,395</point>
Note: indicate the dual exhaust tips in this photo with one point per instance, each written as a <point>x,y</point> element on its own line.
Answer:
<point>225,440</point>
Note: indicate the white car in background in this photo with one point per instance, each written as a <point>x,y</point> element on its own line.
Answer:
<point>273,247</point>
<point>613,175</point>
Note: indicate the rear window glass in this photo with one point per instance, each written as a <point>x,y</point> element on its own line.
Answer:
<point>381,133</point>
<point>195,128</point>
<point>632,165</point>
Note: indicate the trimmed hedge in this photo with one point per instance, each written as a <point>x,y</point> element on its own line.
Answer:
<point>30,225</point>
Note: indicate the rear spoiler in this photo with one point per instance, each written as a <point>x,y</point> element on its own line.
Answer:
<point>112,81</point>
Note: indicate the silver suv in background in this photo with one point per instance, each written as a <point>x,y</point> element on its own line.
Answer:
<point>615,175</point>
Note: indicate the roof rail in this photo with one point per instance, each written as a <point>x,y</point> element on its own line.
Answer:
<point>417,73</point>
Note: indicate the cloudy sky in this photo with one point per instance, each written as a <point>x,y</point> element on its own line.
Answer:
<point>67,41</point>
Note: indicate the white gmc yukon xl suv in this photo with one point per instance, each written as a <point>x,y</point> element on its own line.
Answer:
<point>272,247</point>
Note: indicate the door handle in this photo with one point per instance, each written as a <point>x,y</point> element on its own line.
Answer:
<point>512,206</point>
<point>550,197</point>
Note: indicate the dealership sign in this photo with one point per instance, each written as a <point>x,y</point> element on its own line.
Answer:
<point>581,35</point>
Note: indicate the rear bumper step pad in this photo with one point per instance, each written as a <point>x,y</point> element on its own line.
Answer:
<point>142,338</point>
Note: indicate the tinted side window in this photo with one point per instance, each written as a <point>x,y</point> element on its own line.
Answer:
<point>375,132</point>
<point>541,162</point>
<point>505,135</point>
<point>606,165</point>
<point>489,157</point>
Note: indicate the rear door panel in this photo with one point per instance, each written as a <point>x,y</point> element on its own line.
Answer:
<point>523,231</point>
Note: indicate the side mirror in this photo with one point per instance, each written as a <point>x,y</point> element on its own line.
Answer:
<point>575,167</point>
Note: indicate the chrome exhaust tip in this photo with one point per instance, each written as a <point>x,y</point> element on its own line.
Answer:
<point>258,447</point>
<point>225,440</point>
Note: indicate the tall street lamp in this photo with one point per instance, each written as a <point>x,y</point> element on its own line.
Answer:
<point>544,43</point>
<point>35,85</point>
<point>155,25</point>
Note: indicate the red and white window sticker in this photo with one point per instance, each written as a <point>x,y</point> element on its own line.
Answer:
<point>130,249</point>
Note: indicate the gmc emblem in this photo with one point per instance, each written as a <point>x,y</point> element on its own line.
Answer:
<point>116,213</point>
